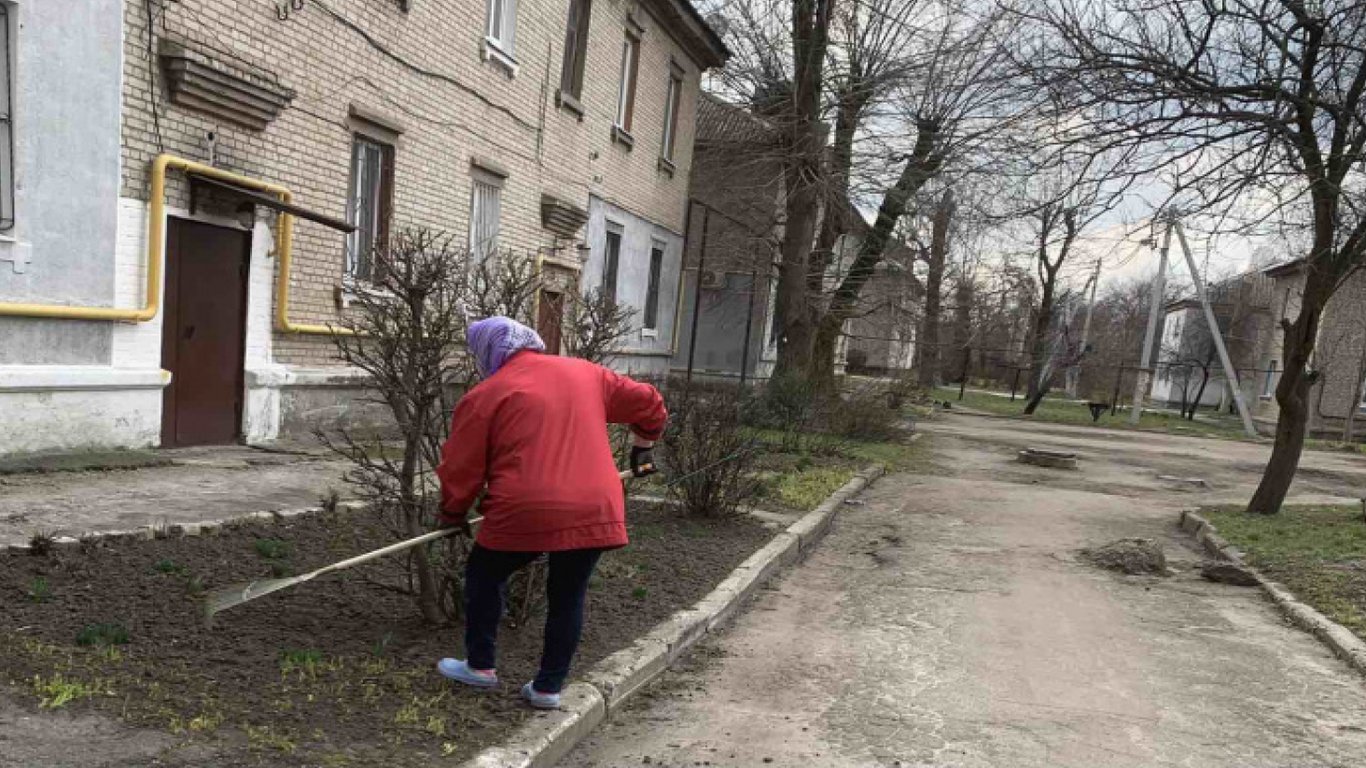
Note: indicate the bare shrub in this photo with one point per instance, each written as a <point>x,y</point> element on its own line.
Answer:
<point>710,455</point>
<point>871,412</point>
<point>596,326</point>
<point>409,335</point>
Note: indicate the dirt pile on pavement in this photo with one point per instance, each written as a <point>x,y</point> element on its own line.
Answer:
<point>1228,573</point>
<point>1134,557</point>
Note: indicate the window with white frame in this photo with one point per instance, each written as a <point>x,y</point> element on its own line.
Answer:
<point>650,321</point>
<point>626,93</point>
<point>486,199</point>
<point>368,204</point>
<point>501,32</point>
<point>673,99</point>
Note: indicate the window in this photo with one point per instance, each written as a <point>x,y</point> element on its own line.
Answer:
<point>501,32</point>
<point>575,49</point>
<point>626,96</point>
<point>674,99</point>
<point>369,204</point>
<point>611,260</point>
<point>6,128</point>
<point>1269,386</point>
<point>485,207</point>
<point>651,320</point>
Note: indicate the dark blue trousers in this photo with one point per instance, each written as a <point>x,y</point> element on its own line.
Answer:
<point>486,576</point>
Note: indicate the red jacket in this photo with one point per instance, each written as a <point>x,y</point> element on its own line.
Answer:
<point>535,433</point>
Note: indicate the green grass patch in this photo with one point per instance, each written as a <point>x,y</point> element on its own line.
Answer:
<point>806,490</point>
<point>1058,410</point>
<point>1317,551</point>
<point>57,690</point>
<point>39,591</point>
<point>1335,446</point>
<point>272,549</point>
<point>102,635</point>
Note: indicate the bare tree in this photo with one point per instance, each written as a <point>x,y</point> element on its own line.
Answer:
<point>954,93</point>
<point>1256,109</point>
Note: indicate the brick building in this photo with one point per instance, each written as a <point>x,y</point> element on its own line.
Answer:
<point>1339,355</point>
<point>555,129</point>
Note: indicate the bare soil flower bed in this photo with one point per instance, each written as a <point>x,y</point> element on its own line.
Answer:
<point>340,671</point>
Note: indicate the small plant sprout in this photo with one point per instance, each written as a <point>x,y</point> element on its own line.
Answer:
<point>639,593</point>
<point>57,691</point>
<point>102,635</point>
<point>304,661</point>
<point>40,544</point>
<point>39,590</point>
<point>272,549</point>
<point>166,565</point>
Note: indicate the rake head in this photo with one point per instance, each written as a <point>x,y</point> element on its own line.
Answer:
<point>223,598</point>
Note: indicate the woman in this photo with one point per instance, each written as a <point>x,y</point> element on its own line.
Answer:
<point>532,435</point>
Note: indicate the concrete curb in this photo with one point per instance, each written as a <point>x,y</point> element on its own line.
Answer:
<point>207,527</point>
<point>180,530</point>
<point>615,679</point>
<point>1338,638</point>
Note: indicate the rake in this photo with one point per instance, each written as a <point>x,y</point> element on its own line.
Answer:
<point>219,600</point>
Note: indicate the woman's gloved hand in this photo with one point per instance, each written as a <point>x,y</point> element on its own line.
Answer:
<point>643,460</point>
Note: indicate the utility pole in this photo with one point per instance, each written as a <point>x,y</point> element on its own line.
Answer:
<point>1230,374</point>
<point>1074,373</point>
<point>1145,369</point>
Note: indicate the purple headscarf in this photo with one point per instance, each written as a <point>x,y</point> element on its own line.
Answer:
<point>495,339</point>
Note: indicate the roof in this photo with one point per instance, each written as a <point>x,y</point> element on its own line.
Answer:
<point>692,31</point>
<point>1285,269</point>
<point>719,121</point>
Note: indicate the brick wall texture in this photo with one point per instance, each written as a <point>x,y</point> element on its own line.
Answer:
<point>424,71</point>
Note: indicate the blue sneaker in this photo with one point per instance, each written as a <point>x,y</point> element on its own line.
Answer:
<point>539,700</point>
<point>461,672</point>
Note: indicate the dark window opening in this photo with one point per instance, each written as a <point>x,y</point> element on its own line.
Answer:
<point>651,320</point>
<point>575,48</point>
<point>611,261</point>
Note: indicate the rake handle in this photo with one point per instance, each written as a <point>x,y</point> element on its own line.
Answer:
<point>405,544</point>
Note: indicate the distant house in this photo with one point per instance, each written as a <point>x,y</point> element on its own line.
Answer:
<point>1188,365</point>
<point>1250,309</point>
<point>1339,358</point>
<point>732,257</point>
<point>734,231</point>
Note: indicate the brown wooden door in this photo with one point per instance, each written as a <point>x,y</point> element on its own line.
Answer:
<point>550,320</point>
<point>203,333</point>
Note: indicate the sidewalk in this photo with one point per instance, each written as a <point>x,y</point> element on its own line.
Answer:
<point>122,491</point>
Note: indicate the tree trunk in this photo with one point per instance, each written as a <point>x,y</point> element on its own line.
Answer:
<point>1292,395</point>
<point>1039,347</point>
<point>828,334</point>
<point>802,165</point>
<point>920,168</point>
<point>1199,394</point>
<point>928,374</point>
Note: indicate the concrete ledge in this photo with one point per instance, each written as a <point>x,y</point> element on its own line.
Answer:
<point>549,736</point>
<point>620,676</point>
<point>1338,638</point>
<point>75,378</point>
